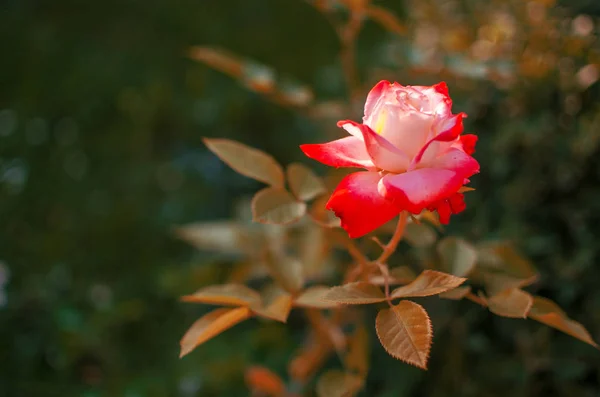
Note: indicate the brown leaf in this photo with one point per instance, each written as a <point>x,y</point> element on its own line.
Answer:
<point>456,293</point>
<point>322,215</point>
<point>276,206</point>
<point>217,236</point>
<point>303,182</point>
<point>314,297</point>
<point>405,333</point>
<point>398,275</point>
<point>419,235</point>
<point>287,271</point>
<point>502,258</point>
<point>335,383</point>
<point>496,283</point>
<point>514,303</point>
<point>211,325</point>
<point>357,293</point>
<point>357,358</point>
<point>386,19</point>
<point>429,282</point>
<point>247,161</point>
<point>218,59</point>
<point>458,256</point>
<point>262,380</point>
<point>225,294</point>
<point>277,305</point>
<point>547,312</point>
<point>309,359</point>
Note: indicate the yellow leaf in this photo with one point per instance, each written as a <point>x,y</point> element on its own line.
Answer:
<point>514,303</point>
<point>456,293</point>
<point>358,293</point>
<point>547,312</point>
<point>336,383</point>
<point>314,297</point>
<point>405,333</point>
<point>303,182</point>
<point>211,325</point>
<point>247,161</point>
<point>264,381</point>
<point>458,256</point>
<point>429,282</point>
<point>276,206</point>
<point>225,294</point>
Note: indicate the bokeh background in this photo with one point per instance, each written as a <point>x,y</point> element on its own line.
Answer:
<point>102,111</point>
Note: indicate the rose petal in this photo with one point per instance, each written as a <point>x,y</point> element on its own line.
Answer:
<point>468,143</point>
<point>345,152</point>
<point>415,190</point>
<point>358,204</point>
<point>451,129</point>
<point>455,160</point>
<point>384,155</point>
<point>376,94</point>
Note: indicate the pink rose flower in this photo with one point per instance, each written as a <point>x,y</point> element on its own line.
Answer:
<point>415,158</point>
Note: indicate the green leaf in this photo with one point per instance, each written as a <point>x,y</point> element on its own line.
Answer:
<point>247,161</point>
<point>276,206</point>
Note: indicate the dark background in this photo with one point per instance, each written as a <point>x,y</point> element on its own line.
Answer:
<point>101,119</point>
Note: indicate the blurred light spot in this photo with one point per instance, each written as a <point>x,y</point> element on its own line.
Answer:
<point>66,132</point>
<point>205,112</point>
<point>566,66</point>
<point>572,104</point>
<point>169,178</point>
<point>4,273</point>
<point>8,122</point>
<point>36,131</point>
<point>482,49</point>
<point>14,174</point>
<point>583,25</point>
<point>536,11</point>
<point>259,77</point>
<point>101,296</point>
<point>427,36</point>
<point>76,164</point>
<point>587,76</point>
<point>3,298</point>
<point>189,386</point>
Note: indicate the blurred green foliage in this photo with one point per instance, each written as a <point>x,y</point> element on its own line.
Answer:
<point>101,119</point>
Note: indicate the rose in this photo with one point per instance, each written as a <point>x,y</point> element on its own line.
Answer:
<point>410,143</point>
